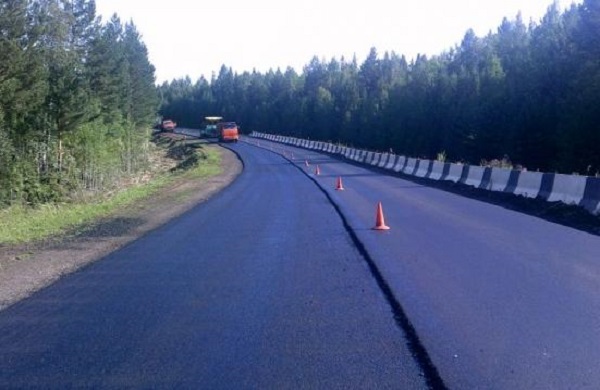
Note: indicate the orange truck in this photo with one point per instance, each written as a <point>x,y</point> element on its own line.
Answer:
<point>228,132</point>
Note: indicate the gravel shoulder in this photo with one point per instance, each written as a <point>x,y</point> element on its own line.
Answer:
<point>27,268</point>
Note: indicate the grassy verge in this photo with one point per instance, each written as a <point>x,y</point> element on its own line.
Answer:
<point>20,224</point>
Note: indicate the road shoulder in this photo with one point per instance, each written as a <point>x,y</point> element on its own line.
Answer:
<point>27,268</point>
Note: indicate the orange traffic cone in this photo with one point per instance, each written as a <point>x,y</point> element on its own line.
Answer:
<point>317,171</point>
<point>380,221</point>
<point>339,186</point>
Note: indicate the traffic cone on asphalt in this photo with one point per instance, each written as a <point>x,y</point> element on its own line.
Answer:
<point>317,171</point>
<point>338,185</point>
<point>380,221</point>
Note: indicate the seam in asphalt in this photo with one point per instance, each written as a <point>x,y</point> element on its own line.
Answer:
<point>429,371</point>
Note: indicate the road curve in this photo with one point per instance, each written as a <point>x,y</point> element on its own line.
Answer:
<point>259,287</point>
<point>499,299</point>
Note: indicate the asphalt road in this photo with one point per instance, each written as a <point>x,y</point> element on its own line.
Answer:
<point>259,287</point>
<point>499,299</point>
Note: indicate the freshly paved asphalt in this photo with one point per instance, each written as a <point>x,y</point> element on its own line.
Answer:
<point>259,287</point>
<point>499,299</point>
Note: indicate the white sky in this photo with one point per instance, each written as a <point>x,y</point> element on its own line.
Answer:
<point>195,37</point>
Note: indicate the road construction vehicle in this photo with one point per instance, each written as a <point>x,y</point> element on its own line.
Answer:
<point>210,129</point>
<point>228,132</point>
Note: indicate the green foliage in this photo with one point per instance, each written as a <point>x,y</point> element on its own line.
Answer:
<point>528,91</point>
<point>77,99</point>
<point>441,156</point>
<point>22,224</point>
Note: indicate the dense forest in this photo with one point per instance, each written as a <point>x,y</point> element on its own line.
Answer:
<point>527,93</point>
<point>77,100</point>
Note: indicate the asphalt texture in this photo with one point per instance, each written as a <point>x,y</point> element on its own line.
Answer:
<point>498,299</point>
<point>260,287</point>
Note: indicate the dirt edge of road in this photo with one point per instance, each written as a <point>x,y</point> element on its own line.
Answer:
<point>27,268</point>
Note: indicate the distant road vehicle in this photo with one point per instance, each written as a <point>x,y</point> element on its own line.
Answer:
<point>228,132</point>
<point>210,129</point>
<point>168,125</point>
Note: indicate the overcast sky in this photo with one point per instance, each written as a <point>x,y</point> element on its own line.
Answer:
<point>194,38</point>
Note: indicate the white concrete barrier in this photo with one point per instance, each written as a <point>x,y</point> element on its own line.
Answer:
<point>363,156</point>
<point>499,179</point>
<point>475,175</point>
<point>591,197</point>
<point>437,170</point>
<point>568,189</point>
<point>411,165</point>
<point>423,168</point>
<point>376,159</point>
<point>384,159</point>
<point>529,184</point>
<point>400,163</point>
<point>455,172</point>
<point>359,155</point>
<point>391,162</point>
